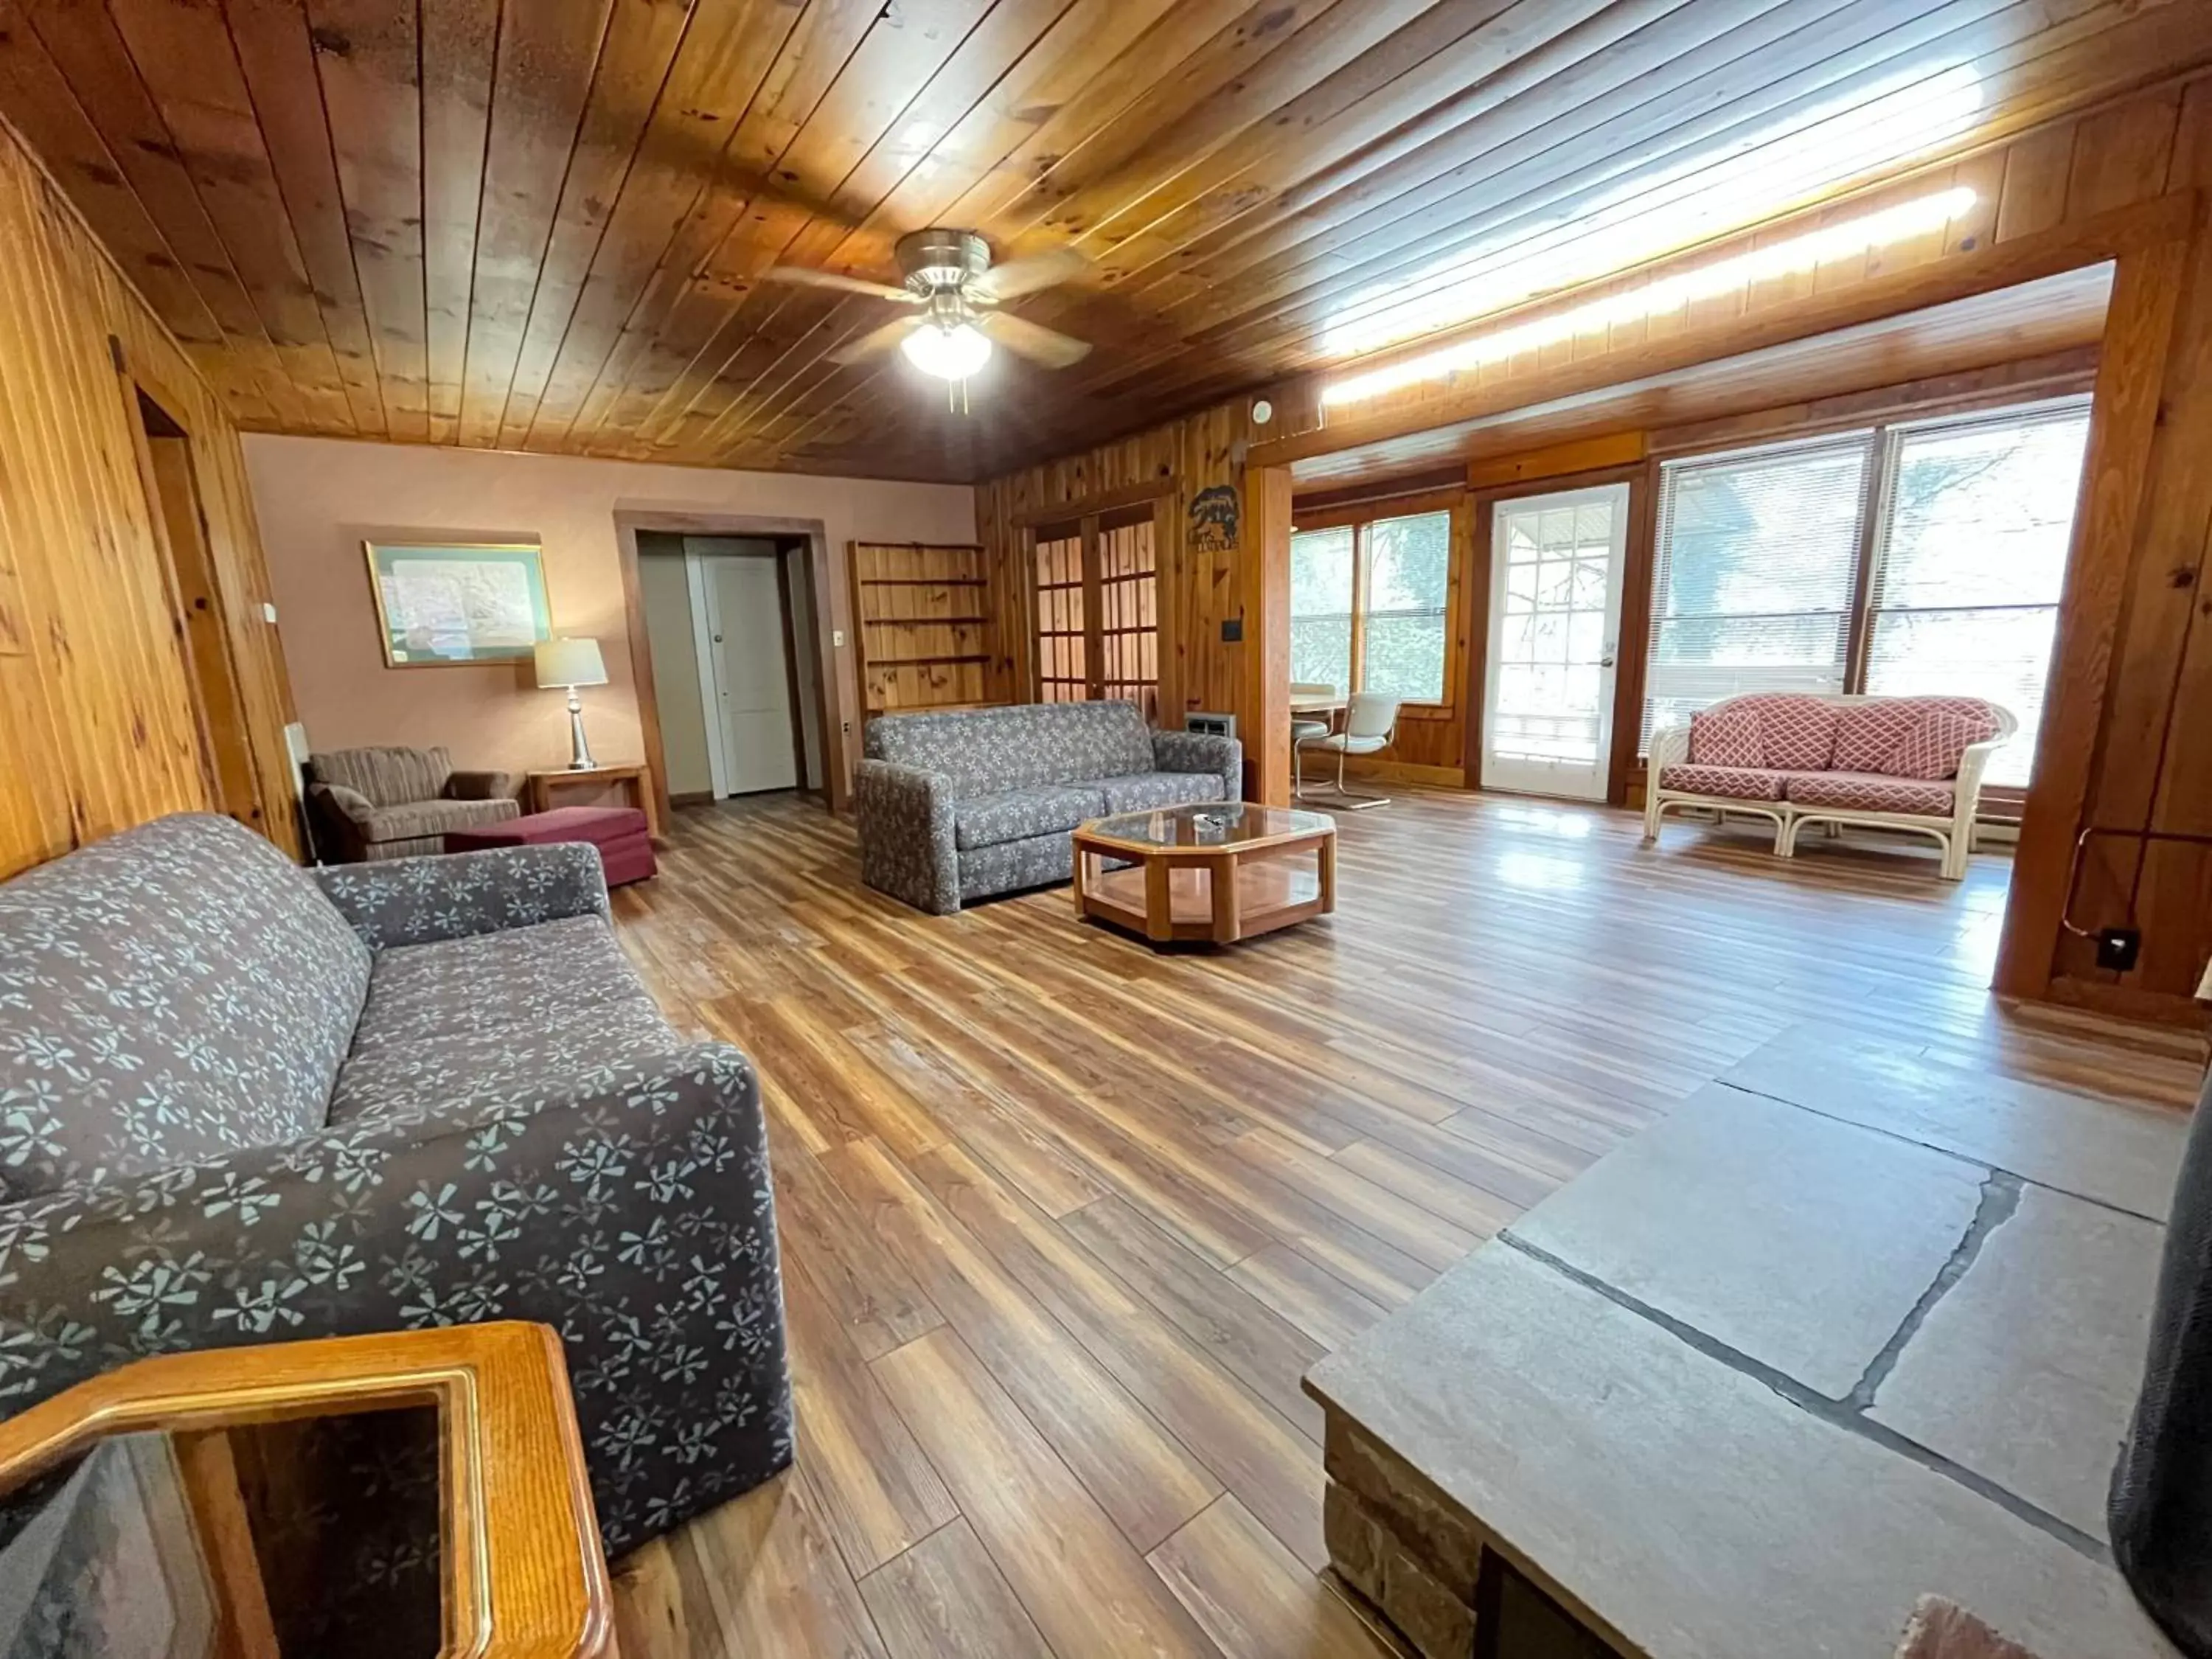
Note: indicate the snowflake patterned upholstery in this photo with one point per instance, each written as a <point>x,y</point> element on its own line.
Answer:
<point>175,992</point>
<point>957,806</point>
<point>419,1092</point>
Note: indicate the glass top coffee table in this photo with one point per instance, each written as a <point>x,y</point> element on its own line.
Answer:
<point>1216,873</point>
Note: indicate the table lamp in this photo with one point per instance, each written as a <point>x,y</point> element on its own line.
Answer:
<point>571,662</point>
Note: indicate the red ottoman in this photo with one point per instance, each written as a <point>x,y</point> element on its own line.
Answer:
<point>619,833</point>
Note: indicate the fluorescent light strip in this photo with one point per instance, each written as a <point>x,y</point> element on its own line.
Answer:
<point>1799,253</point>
<point>1644,216</point>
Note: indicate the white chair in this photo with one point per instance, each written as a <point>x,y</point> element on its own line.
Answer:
<point>1371,720</point>
<point>1304,726</point>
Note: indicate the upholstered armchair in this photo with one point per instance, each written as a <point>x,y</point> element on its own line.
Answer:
<point>394,803</point>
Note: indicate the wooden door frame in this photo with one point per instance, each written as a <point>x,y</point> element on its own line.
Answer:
<point>140,392</point>
<point>834,717</point>
<point>1482,511</point>
<point>708,625</point>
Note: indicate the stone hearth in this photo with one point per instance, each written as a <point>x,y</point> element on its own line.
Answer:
<point>1846,1328</point>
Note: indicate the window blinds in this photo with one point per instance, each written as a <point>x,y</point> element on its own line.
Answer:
<point>1756,558</point>
<point>1972,559</point>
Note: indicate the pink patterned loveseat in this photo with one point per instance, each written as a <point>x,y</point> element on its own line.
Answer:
<point>1798,758</point>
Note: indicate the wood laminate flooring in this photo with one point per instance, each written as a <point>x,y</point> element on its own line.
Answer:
<point>1064,1220</point>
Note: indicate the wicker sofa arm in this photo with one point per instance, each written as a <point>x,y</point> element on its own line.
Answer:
<point>1202,751</point>
<point>904,815</point>
<point>451,896</point>
<point>1967,786</point>
<point>1670,746</point>
<point>482,785</point>
<point>630,1211</point>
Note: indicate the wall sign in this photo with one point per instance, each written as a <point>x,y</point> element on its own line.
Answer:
<point>1214,520</point>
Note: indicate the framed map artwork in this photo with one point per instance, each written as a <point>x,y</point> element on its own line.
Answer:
<point>458,602</point>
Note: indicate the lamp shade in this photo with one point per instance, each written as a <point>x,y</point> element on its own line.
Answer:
<point>570,662</point>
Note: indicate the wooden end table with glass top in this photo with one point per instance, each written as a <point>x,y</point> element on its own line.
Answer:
<point>1217,872</point>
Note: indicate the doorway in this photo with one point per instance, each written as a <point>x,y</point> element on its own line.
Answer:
<point>730,623</point>
<point>1556,563</point>
<point>173,494</point>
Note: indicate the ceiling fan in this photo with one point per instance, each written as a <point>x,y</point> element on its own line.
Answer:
<point>950,276</point>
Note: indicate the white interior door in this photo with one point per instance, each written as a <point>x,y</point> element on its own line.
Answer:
<point>1555,569</point>
<point>747,681</point>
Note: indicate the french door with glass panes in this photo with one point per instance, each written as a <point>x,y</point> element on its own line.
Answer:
<point>1555,571</point>
<point>1097,616</point>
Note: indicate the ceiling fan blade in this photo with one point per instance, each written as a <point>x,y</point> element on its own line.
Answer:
<point>1027,276</point>
<point>1033,341</point>
<point>876,342</point>
<point>805,277</point>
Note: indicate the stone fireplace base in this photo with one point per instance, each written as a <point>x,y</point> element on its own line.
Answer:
<point>1767,1375</point>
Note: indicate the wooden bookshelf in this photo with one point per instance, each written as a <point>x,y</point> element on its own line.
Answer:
<point>921,623</point>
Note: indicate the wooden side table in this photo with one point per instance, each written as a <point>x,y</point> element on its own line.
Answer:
<point>521,1571</point>
<point>633,776</point>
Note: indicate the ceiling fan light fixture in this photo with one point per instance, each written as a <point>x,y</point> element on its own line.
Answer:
<point>950,353</point>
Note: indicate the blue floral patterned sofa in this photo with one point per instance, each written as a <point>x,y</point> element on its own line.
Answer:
<point>958,806</point>
<point>241,1102</point>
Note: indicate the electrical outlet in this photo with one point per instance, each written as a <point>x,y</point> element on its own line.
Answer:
<point>1232,631</point>
<point>2118,948</point>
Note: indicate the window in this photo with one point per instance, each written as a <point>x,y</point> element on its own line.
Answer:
<point>1768,575</point>
<point>1368,603</point>
<point>1128,620</point>
<point>1321,607</point>
<point>1097,616</point>
<point>1971,560</point>
<point>1063,663</point>
<point>1756,561</point>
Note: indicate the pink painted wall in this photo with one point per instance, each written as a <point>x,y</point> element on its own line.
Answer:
<point>319,498</point>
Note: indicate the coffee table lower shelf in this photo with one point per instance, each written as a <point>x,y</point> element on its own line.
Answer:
<point>1213,895</point>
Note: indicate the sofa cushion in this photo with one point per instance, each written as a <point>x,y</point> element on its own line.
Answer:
<point>1018,814</point>
<point>413,820</point>
<point>389,777</point>
<point>1738,782</point>
<point>167,994</point>
<point>986,750</point>
<point>535,974</point>
<point>1141,790</point>
<point>1796,730</point>
<point>505,1053</point>
<point>1871,791</point>
<point>1938,739</point>
<point>1910,737</point>
<point>1726,734</point>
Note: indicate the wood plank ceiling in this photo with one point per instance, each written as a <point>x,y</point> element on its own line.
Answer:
<point>539,224</point>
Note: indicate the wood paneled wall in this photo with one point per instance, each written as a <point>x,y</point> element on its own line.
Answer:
<point>97,729</point>
<point>1198,572</point>
<point>2142,683</point>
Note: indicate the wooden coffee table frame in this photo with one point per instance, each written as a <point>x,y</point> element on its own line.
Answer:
<point>1230,912</point>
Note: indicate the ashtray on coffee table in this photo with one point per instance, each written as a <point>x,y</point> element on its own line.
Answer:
<point>1220,872</point>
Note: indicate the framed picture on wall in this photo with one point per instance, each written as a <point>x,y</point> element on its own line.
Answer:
<point>457,602</point>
